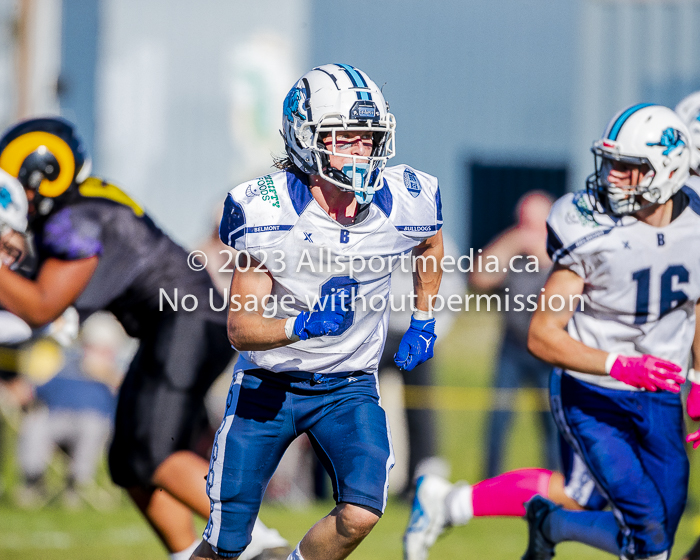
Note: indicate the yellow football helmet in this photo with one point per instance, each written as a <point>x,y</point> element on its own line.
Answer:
<point>45,155</point>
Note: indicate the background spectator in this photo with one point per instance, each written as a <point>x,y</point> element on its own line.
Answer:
<point>74,411</point>
<point>515,367</point>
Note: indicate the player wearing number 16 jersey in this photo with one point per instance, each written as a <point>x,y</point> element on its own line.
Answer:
<point>629,247</point>
<point>324,234</point>
<point>619,325</point>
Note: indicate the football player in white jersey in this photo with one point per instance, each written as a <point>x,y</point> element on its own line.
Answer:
<point>13,223</point>
<point>13,220</point>
<point>689,111</point>
<point>628,251</point>
<point>439,504</point>
<point>13,330</point>
<point>324,234</point>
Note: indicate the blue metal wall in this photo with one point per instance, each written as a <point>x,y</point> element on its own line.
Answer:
<point>466,79</point>
<point>175,99</point>
<point>629,52</point>
<point>528,82</point>
<point>79,45</point>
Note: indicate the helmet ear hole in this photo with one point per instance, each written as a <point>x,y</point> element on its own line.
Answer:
<point>38,166</point>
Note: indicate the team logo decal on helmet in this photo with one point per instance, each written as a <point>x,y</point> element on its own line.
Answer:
<point>5,198</point>
<point>13,204</point>
<point>13,221</point>
<point>291,105</point>
<point>45,154</point>
<point>330,99</point>
<point>670,139</point>
<point>651,137</point>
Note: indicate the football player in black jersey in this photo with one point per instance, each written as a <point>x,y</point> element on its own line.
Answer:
<point>98,250</point>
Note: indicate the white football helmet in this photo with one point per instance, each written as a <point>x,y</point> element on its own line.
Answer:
<point>332,98</point>
<point>13,203</point>
<point>689,112</point>
<point>641,134</point>
<point>13,218</point>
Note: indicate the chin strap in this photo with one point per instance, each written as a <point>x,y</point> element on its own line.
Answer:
<point>357,173</point>
<point>354,177</point>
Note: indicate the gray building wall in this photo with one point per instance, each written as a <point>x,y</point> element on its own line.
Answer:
<point>189,98</point>
<point>8,70</point>
<point>79,58</point>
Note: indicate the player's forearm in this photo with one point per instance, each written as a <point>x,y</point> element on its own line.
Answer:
<point>428,271</point>
<point>426,288</point>
<point>251,331</point>
<point>26,299</point>
<point>554,345</point>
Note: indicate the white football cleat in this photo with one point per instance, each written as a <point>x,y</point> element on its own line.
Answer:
<point>428,517</point>
<point>266,544</point>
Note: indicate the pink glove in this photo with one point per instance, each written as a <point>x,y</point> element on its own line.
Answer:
<point>647,372</point>
<point>693,408</point>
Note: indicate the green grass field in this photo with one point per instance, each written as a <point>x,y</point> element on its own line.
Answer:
<point>465,360</point>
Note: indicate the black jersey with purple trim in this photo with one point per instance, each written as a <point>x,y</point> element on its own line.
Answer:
<point>136,259</point>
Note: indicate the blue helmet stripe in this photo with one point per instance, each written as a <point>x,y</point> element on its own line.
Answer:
<point>615,130</point>
<point>355,77</point>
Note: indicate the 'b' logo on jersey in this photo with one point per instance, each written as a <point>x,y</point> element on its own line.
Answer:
<point>660,239</point>
<point>344,236</point>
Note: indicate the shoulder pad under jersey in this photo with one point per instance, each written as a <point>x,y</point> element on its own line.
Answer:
<point>692,189</point>
<point>572,223</point>
<point>411,200</point>
<point>258,212</point>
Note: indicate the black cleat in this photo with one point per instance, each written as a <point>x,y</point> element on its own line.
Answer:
<point>539,547</point>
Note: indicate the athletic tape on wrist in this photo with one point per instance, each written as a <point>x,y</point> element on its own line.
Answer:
<point>609,361</point>
<point>420,315</point>
<point>693,376</point>
<point>289,329</point>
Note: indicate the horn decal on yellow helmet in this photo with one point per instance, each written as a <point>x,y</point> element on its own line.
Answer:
<point>16,151</point>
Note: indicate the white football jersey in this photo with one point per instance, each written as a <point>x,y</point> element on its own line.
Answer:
<point>310,255</point>
<point>641,282</point>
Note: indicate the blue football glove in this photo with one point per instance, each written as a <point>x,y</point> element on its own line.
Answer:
<point>325,320</point>
<point>416,345</point>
